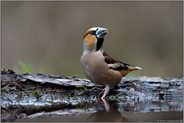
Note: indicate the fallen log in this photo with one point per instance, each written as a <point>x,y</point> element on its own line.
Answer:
<point>26,94</point>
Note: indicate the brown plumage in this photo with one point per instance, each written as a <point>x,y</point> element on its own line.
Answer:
<point>98,66</point>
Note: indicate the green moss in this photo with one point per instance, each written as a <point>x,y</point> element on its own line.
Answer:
<point>37,94</point>
<point>121,94</point>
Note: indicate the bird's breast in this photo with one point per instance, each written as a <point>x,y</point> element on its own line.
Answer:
<point>93,64</point>
<point>96,69</point>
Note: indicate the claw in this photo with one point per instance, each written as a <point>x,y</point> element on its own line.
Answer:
<point>99,95</point>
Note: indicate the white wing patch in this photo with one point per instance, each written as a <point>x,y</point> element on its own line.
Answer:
<point>114,66</point>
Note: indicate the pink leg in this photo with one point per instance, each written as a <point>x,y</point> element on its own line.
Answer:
<point>105,91</point>
<point>99,95</point>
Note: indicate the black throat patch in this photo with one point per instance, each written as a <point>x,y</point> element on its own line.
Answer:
<point>99,43</point>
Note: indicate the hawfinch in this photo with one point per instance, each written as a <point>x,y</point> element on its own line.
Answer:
<point>98,66</point>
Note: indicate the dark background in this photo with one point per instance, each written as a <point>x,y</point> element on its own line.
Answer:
<point>47,36</point>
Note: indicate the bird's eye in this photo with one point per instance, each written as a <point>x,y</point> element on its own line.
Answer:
<point>93,32</point>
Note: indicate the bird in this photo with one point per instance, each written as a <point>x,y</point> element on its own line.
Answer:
<point>97,65</point>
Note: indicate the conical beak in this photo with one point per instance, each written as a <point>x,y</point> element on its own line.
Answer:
<point>101,32</point>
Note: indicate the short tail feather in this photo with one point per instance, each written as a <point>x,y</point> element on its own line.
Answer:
<point>131,68</point>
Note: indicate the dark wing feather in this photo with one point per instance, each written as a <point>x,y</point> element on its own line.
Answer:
<point>114,64</point>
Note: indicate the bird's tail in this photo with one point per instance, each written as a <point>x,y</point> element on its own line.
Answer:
<point>131,68</point>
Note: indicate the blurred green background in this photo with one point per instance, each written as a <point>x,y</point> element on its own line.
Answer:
<point>46,37</point>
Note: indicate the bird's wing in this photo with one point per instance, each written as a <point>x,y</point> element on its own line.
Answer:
<point>114,64</point>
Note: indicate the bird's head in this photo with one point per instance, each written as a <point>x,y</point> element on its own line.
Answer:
<point>93,38</point>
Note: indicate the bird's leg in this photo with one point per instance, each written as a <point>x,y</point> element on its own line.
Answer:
<point>107,89</point>
<point>101,92</point>
<point>102,89</point>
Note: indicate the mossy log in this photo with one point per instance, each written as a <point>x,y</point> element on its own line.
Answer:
<point>25,94</point>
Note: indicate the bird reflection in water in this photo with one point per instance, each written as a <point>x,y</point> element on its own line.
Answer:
<point>106,113</point>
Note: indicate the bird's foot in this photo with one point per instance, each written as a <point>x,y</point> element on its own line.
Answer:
<point>100,94</point>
